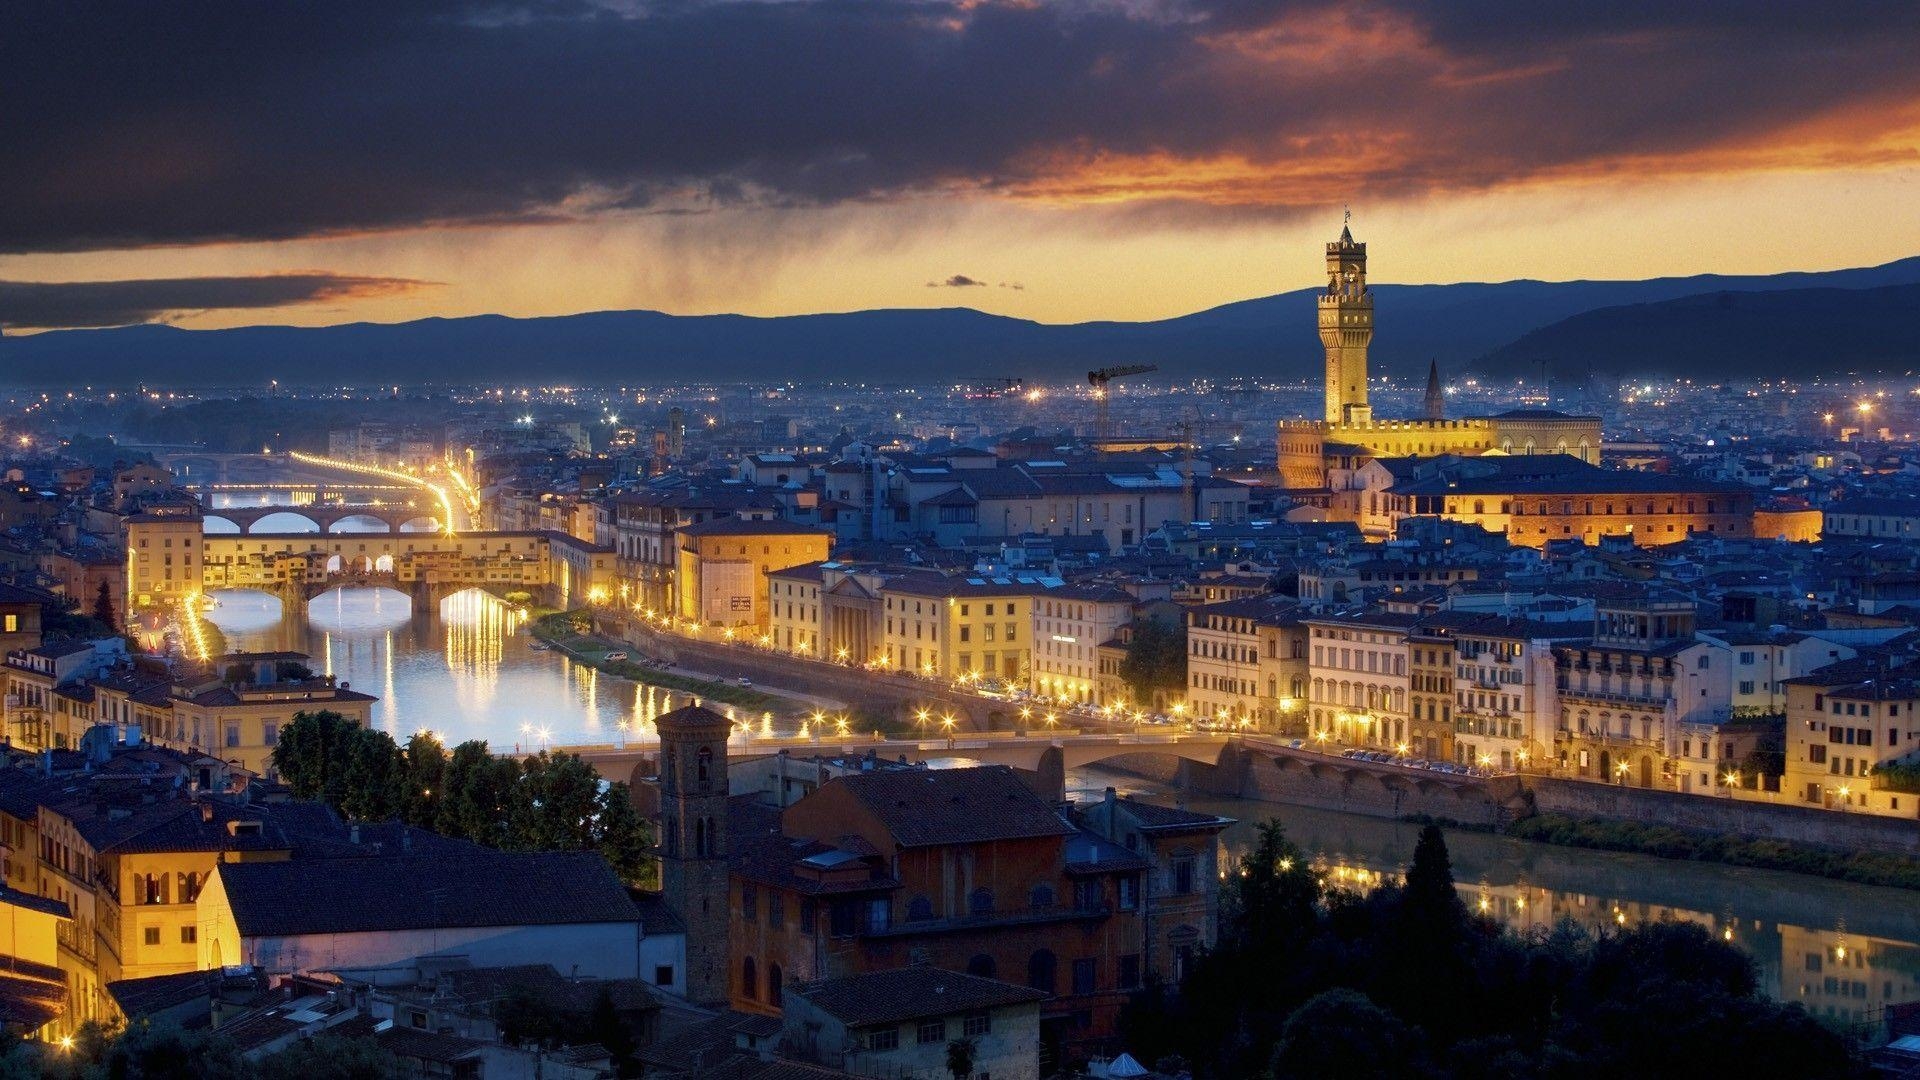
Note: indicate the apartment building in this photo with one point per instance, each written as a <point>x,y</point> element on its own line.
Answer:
<point>1843,724</point>
<point>1247,662</point>
<point>1070,623</point>
<point>1358,678</point>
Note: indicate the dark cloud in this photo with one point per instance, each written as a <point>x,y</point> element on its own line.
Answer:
<point>957,281</point>
<point>40,305</point>
<point>203,121</point>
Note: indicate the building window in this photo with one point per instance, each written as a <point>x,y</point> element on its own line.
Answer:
<point>663,975</point>
<point>1040,970</point>
<point>1130,971</point>
<point>189,935</point>
<point>919,909</point>
<point>749,908</point>
<point>931,1031</point>
<point>980,902</point>
<point>233,735</point>
<point>1182,876</point>
<point>883,1039</point>
<point>976,1025</point>
<point>1085,974</point>
<point>150,935</point>
<point>749,979</point>
<point>774,984</point>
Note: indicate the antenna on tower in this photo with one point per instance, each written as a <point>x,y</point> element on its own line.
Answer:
<point>1348,219</point>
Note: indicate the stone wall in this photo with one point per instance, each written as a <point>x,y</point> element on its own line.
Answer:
<point>855,687</point>
<point>1796,824</point>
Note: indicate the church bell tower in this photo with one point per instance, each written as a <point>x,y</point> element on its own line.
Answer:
<point>693,840</point>
<point>1346,328</point>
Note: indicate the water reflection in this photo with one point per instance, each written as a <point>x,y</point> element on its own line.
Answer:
<point>1844,951</point>
<point>468,671</point>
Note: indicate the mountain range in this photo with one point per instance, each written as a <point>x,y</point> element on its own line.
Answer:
<point>1863,320</point>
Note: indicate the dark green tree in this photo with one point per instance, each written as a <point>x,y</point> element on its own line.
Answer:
<point>375,777</point>
<point>960,1055</point>
<point>329,1057</point>
<point>1156,659</point>
<point>624,838</point>
<point>149,1051</point>
<point>605,1027</point>
<point>312,754</point>
<point>426,776</point>
<point>479,788</point>
<point>554,804</point>
<point>103,606</point>
<point>1343,1033</point>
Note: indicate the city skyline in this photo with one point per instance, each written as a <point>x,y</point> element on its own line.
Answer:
<point>1076,162</point>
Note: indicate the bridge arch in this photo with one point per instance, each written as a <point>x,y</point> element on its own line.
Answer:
<point>360,522</point>
<point>420,523</point>
<point>284,521</point>
<point>219,525</point>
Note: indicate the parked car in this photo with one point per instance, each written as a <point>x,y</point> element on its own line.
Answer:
<point>616,655</point>
<point>744,681</point>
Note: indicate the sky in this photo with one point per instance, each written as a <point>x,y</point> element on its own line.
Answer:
<point>225,163</point>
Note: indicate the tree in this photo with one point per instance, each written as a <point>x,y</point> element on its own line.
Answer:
<point>312,753</point>
<point>605,1027</point>
<point>162,1051</point>
<point>478,787</point>
<point>331,1057</point>
<point>374,777</point>
<point>1156,659</point>
<point>554,804</point>
<point>426,776</point>
<point>625,839</point>
<point>1343,1033</point>
<point>103,605</point>
<point>960,1055</point>
<point>1429,899</point>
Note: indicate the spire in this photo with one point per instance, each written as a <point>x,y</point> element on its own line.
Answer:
<point>1436,397</point>
<point>1346,226</point>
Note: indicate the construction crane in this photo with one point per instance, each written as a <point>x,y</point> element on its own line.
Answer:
<point>1102,426</point>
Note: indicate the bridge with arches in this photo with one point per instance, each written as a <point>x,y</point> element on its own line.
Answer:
<point>411,515</point>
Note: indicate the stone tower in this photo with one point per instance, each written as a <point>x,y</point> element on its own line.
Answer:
<point>1436,403</point>
<point>1346,328</point>
<point>693,840</point>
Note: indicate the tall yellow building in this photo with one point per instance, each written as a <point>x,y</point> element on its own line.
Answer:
<point>1318,457</point>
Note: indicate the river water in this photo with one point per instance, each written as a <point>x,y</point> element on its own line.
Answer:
<point>468,671</point>
<point>1844,951</point>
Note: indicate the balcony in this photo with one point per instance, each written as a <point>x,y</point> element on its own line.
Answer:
<point>1647,700</point>
<point>1055,913</point>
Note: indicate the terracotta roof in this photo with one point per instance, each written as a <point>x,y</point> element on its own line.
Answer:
<point>902,994</point>
<point>931,807</point>
<point>417,892</point>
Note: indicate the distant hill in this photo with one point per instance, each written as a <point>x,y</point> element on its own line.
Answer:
<point>1460,325</point>
<point>1749,334</point>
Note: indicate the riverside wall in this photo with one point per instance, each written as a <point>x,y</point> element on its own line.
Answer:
<point>1745,818</point>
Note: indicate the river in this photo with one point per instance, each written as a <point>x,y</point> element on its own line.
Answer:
<point>469,671</point>
<point>1842,950</point>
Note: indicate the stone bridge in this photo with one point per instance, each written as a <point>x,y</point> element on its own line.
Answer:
<point>413,515</point>
<point>1047,755</point>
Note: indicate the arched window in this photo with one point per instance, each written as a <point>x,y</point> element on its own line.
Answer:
<point>981,965</point>
<point>1041,896</point>
<point>749,979</point>
<point>773,984</point>
<point>699,837</point>
<point>980,902</point>
<point>919,909</point>
<point>704,767</point>
<point>1040,970</point>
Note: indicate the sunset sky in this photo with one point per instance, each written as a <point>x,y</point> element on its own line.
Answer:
<point>216,164</point>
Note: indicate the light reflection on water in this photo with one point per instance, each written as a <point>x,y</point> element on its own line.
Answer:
<point>1844,951</point>
<point>466,672</point>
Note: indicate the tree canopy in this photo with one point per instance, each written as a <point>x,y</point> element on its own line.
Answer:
<point>548,802</point>
<point>1313,981</point>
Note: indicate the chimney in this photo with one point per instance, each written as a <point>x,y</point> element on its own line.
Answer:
<point>206,811</point>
